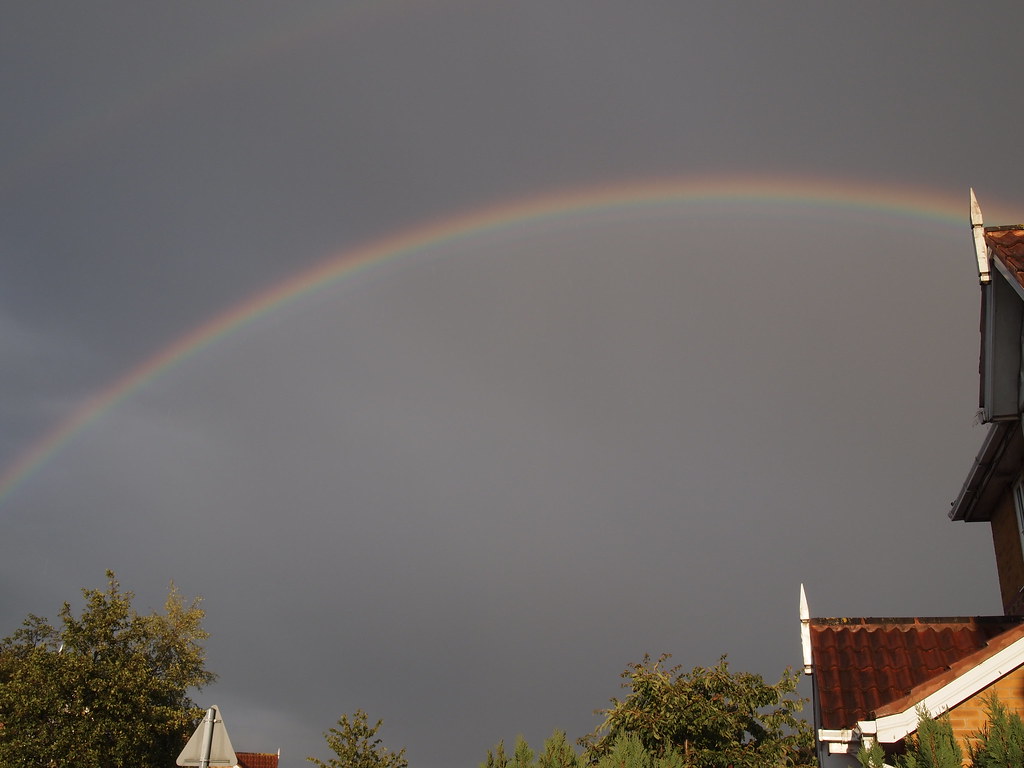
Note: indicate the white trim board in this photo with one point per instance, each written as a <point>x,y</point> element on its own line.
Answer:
<point>891,728</point>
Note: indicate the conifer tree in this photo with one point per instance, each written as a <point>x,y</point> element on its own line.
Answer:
<point>496,758</point>
<point>558,753</point>
<point>522,755</point>
<point>628,751</point>
<point>871,757</point>
<point>1001,743</point>
<point>933,745</point>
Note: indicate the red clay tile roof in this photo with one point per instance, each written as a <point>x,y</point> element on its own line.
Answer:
<point>1007,245</point>
<point>256,760</point>
<point>862,665</point>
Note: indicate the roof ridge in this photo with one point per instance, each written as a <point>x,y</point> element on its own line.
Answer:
<point>874,622</point>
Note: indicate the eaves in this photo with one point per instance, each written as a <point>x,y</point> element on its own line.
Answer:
<point>997,464</point>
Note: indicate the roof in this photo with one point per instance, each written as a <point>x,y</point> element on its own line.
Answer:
<point>256,760</point>
<point>1007,245</point>
<point>1000,249</point>
<point>864,668</point>
<point>995,469</point>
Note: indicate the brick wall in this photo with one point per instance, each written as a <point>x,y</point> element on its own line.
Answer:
<point>1009,558</point>
<point>969,717</point>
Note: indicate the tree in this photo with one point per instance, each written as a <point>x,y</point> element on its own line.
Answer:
<point>108,687</point>
<point>932,745</point>
<point>629,752</point>
<point>711,717</point>
<point>557,753</point>
<point>522,755</point>
<point>496,758</point>
<point>1001,743</point>
<point>356,745</point>
<point>871,757</point>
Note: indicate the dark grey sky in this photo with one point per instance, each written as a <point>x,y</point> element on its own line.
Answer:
<point>464,489</point>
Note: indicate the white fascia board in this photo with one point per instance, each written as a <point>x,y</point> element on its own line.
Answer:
<point>892,728</point>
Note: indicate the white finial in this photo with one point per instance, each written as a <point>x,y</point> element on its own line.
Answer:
<point>805,632</point>
<point>980,249</point>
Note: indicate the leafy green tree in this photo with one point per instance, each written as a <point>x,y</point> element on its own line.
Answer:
<point>356,744</point>
<point>712,717</point>
<point>108,687</point>
<point>1001,743</point>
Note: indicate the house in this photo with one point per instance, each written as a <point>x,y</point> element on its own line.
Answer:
<point>870,676</point>
<point>992,492</point>
<point>257,759</point>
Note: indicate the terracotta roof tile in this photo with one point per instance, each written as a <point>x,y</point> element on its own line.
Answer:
<point>256,760</point>
<point>862,665</point>
<point>1007,245</point>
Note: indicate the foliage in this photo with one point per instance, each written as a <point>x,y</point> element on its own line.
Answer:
<point>712,717</point>
<point>933,745</point>
<point>1001,743</point>
<point>522,755</point>
<point>871,757</point>
<point>557,753</point>
<point>108,687</point>
<point>496,758</point>
<point>356,744</point>
<point>629,752</point>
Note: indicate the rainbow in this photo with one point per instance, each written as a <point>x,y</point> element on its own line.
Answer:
<point>619,197</point>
